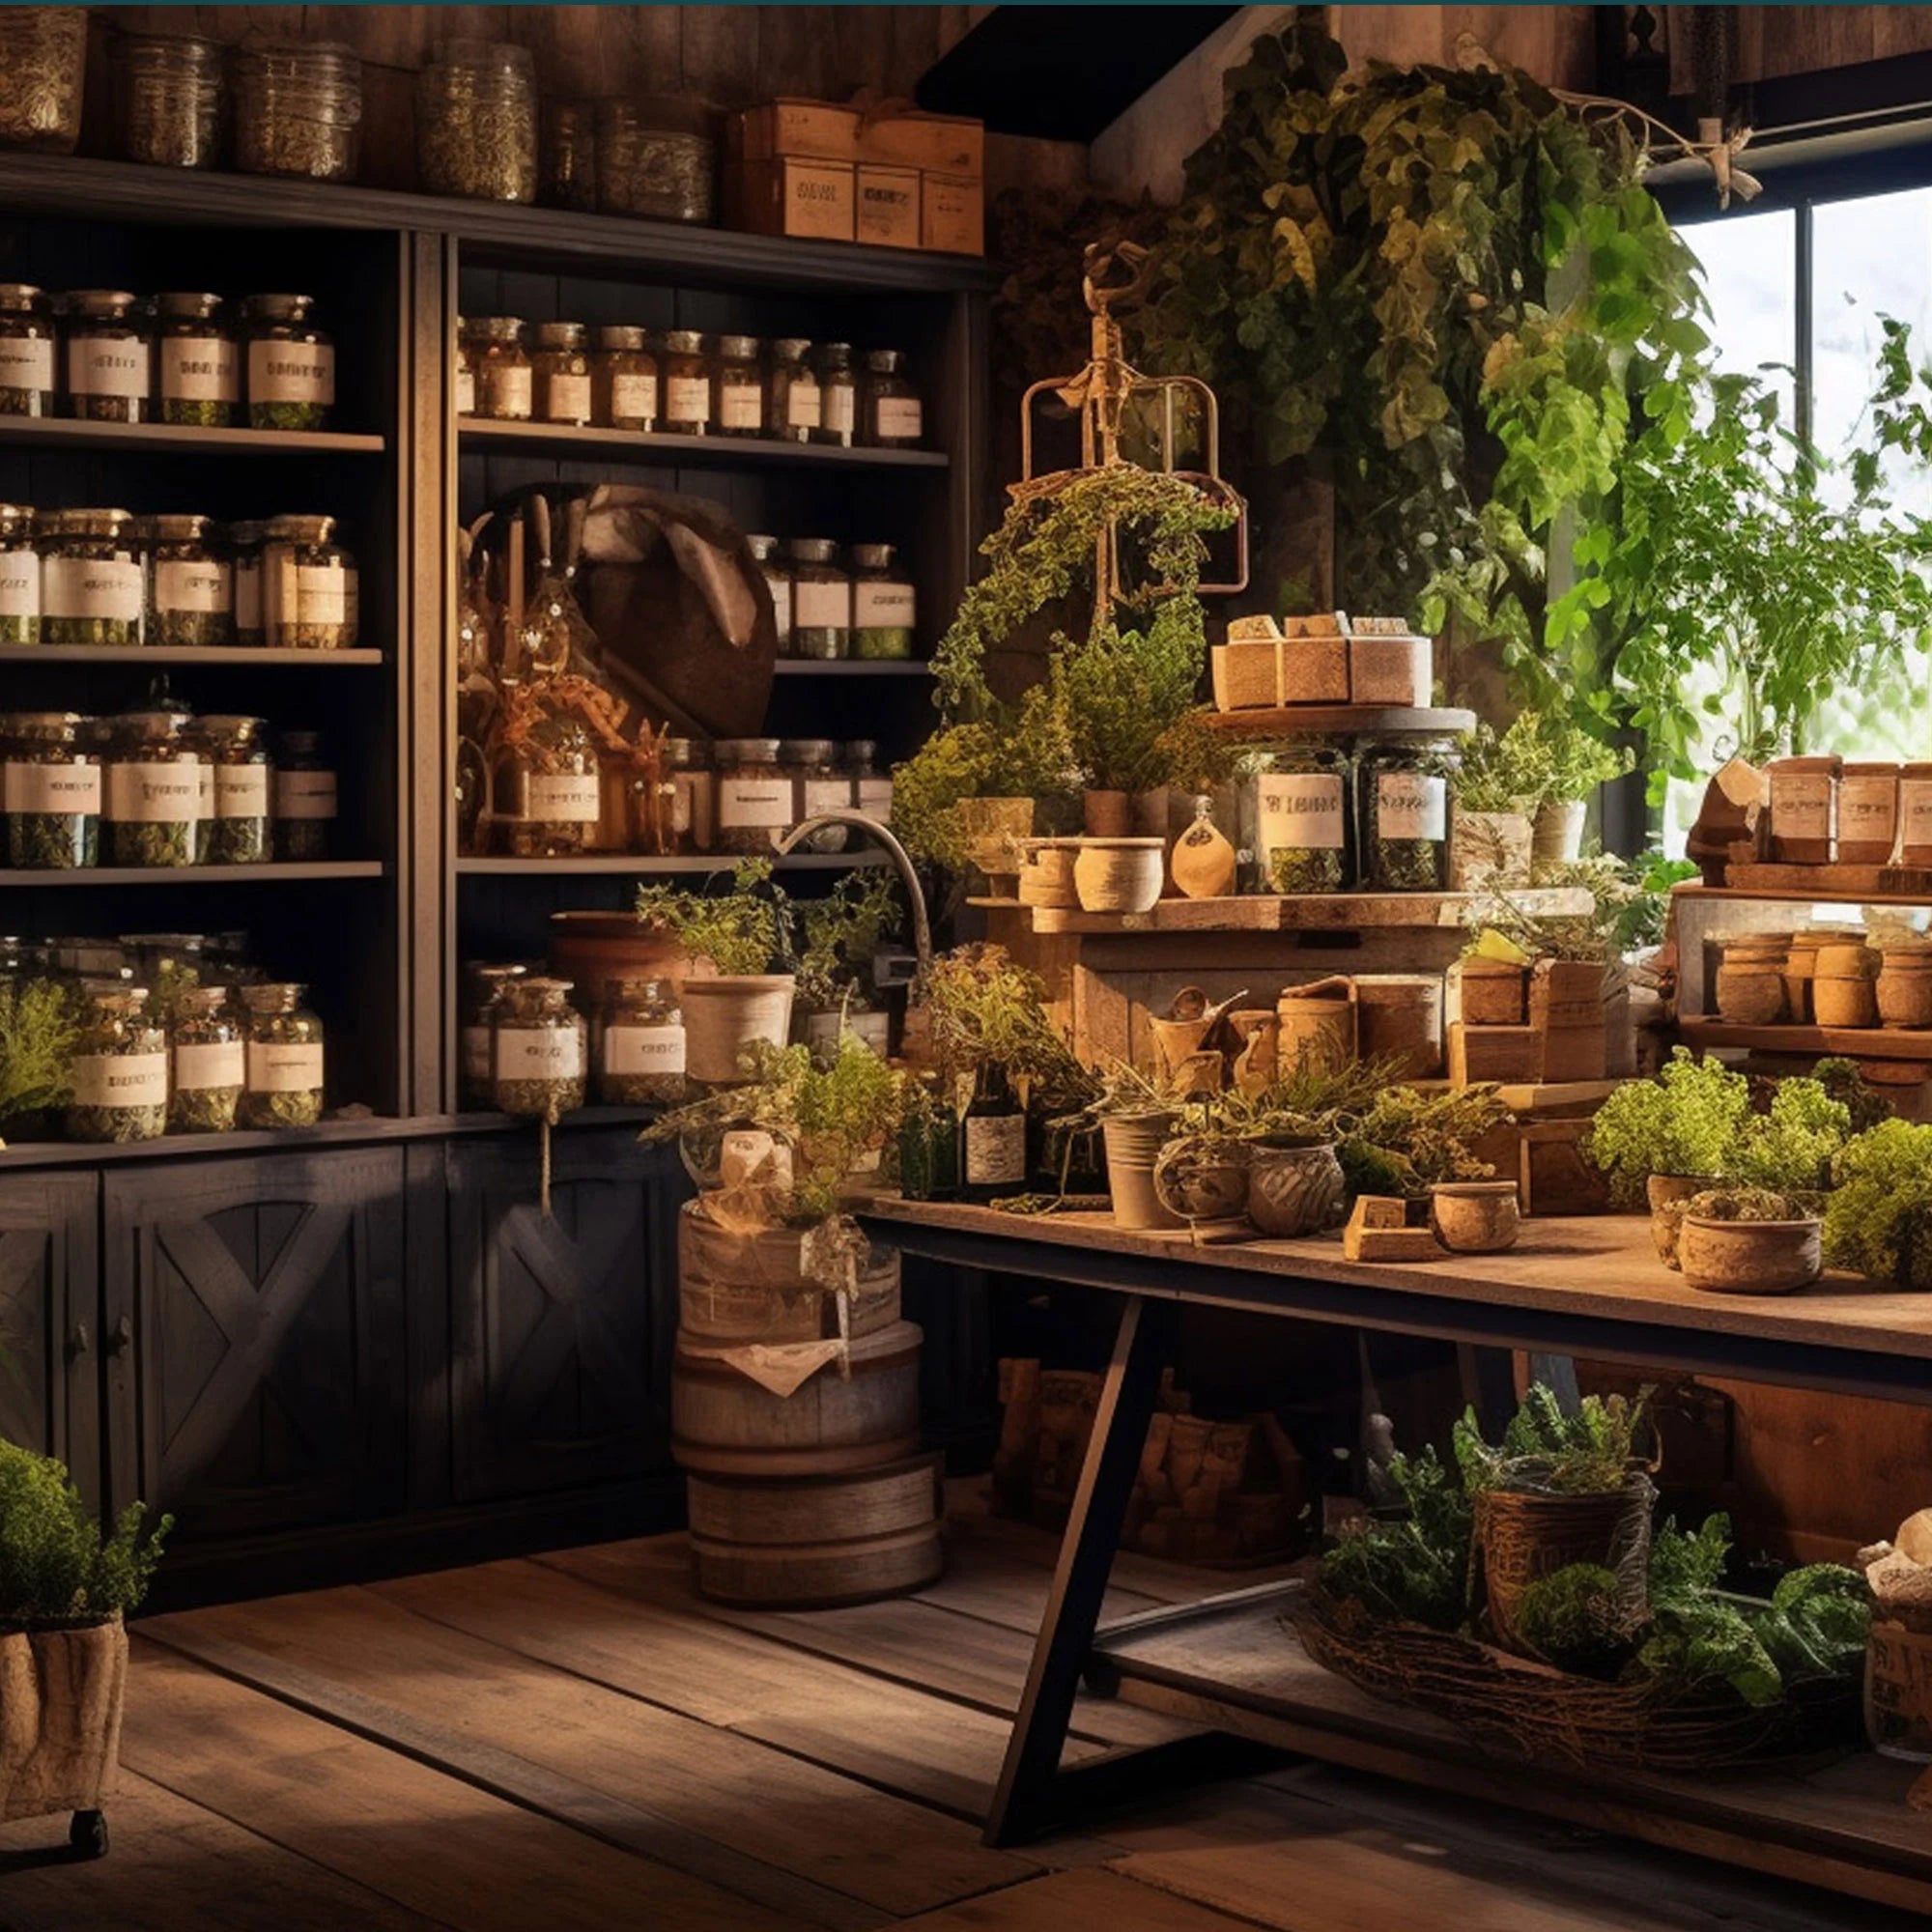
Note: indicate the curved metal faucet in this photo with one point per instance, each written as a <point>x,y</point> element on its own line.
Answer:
<point>921,925</point>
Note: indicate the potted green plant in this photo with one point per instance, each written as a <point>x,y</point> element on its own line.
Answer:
<point>1495,789</point>
<point>1748,1240</point>
<point>840,933</point>
<point>1136,1114</point>
<point>1573,764</point>
<point>65,1589</point>
<point>1665,1139</point>
<point>742,932</point>
<point>1878,1217</point>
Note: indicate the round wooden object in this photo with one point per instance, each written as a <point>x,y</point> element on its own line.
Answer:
<point>734,1289</point>
<point>594,951</point>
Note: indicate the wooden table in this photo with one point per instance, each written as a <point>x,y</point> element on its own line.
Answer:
<point>1584,1287</point>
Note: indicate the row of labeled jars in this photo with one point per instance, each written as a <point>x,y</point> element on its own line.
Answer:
<point>1315,818</point>
<point>681,382</point>
<point>825,610</point>
<point>106,356</point>
<point>1827,976</point>
<point>155,788</point>
<point>109,577</point>
<point>525,1044</point>
<point>1857,812</point>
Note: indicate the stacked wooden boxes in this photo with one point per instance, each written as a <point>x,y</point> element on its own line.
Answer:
<point>1327,659</point>
<point>1546,1022</point>
<point>832,173</point>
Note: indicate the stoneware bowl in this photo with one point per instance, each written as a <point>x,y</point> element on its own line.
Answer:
<point>1474,1217</point>
<point>1749,1257</point>
<point>1120,874</point>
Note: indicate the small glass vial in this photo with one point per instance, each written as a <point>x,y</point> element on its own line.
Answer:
<point>197,372</point>
<point>884,604</point>
<point>687,385</point>
<point>107,361</point>
<point>821,600</point>
<point>51,791</point>
<point>244,551</point>
<point>792,399</point>
<point>549,789</point>
<point>778,586</point>
<point>694,809</point>
<point>19,576</point>
<point>737,389</point>
<point>208,1061</point>
<point>502,368</point>
<point>871,789</point>
<point>309,589</point>
<point>190,586</point>
<point>26,351</point>
<point>537,1057</point>
<point>462,370</point>
<point>285,1070</point>
<point>818,784</point>
<point>1402,809</point>
<point>641,1046</point>
<point>303,795</point>
<point>237,748</point>
<point>484,983</point>
<point>754,797</point>
<point>290,364</point>
<point>118,1075</point>
<point>91,585</point>
<point>838,396</point>
<point>157,790</point>
<point>624,378</point>
<point>561,373</point>
<point>889,407</point>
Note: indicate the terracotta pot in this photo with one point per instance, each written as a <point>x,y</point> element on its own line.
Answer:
<point>1318,1024</point>
<point>1558,837</point>
<point>1203,1178</point>
<point>596,950</point>
<point>723,1015</point>
<point>1905,987</point>
<point>1133,1142</point>
<point>1664,1192</point>
<point>1107,814</point>
<point>1120,874</point>
<point>1474,1217</point>
<point>1749,1257</point>
<point>1847,959</point>
<point>1398,1015</point>
<point>63,1690</point>
<point>1493,992</point>
<point>1844,1003</point>
<point>1294,1187</point>
<point>1046,873</point>
<point>1489,848</point>
<point>1751,995</point>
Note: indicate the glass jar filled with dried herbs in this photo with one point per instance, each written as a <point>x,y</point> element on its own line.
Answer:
<point>26,351</point>
<point>19,576</point>
<point>299,110</point>
<point>1296,819</point>
<point>656,156</point>
<point>1403,794</point>
<point>291,363</point>
<point>167,99</point>
<point>737,389</point>
<point>792,400</point>
<point>91,583</point>
<point>197,369</point>
<point>891,416</point>
<point>871,789</point>
<point>283,1076</point>
<point>108,378</point>
<point>548,787</point>
<point>537,1060</point>
<point>208,1061</point>
<point>309,596</point>
<point>43,62</point>
<point>191,584</point>
<point>838,397</point>
<point>476,121</point>
<point>817,786</point>
<point>305,794</point>
<point>641,1046</point>
<point>483,985</point>
<point>567,154</point>
<point>821,600</point>
<point>158,789</point>
<point>237,748</point>
<point>624,378</point>
<point>50,783</point>
<point>562,368</point>
<point>118,1075</point>
<point>777,573</point>
<point>245,562</point>
<point>502,368</point>
<point>687,385</point>
<point>754,796</point>
<point>693,805</point>
<point>884,606</point>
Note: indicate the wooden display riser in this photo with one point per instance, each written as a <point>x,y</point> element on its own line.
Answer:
<point>1299,911</point>
<point>1339,721</point>
<point>1853,1042</point>
<point>1908,885</point>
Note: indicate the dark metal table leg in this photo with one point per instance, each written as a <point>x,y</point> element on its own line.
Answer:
<point>1022,1807</point>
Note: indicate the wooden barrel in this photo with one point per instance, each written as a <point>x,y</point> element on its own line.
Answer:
<point>725,1424</point>
<point>734,1289</point>
<point>812,1542</point>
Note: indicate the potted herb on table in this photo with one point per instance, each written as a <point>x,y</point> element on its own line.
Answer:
<point>1663,1140</point>
<point>1494,789</point>
<point>841,933</point>
<point>1878,1217</point>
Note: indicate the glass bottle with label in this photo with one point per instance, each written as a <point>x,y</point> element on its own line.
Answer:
<point>244,557</point>
<point>838,396</point>
<point>549,794</point>
<point>290,364</point>
<point>737,389</point>
<point>821,600</point>
<point>537,1061</point>
<point>754,797</point>
<point>26,351</point>
<point>871,789</point>
<point>118,1075</point>
<point>1296,821</point>
<point>890,416</point>
<point>817,786</point>
<point>561,372</point>
<point>109,379</point>
<point>778,586</point>
<point>284,1073</point>
<point>309,587</point>
<point>484,987</point>
<point>190,586</point>
<point>624,378</point>
<point>884,604</point>
<point>51,787</point>
<point>158,788</point>
<point>792,400</point>
<point>304,797</point>
<point>19,576</point>
<point>641,1046</point>
<point>208,1061</point>
<point>687,385</point>
<point>993,1136</point>
<point>1403,806</point>
<point>90,587</point>
<point>243,787</point>
<point>502,368</point>
<point>197,372</point>
<point>694,809</point>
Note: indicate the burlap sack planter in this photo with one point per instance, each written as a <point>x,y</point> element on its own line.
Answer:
<point>61,1696</point>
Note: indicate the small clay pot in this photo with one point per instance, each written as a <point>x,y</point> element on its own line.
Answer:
<point>1474,1217</point>
<point>1666,1192</point>
<point>1203,1178</point>
<point>1046,873</point>
<point>1750,994</point>
<point>1294,1186</point>
<point>1905,987</point>
<point>1120,874</point>
<point>1844,1003</point>
<point>1749,1257</point>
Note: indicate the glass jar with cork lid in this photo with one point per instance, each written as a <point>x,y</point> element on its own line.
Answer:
<point>50,790</point>
<point>687,385</point>
<point>792,397</point>
<point>1403,812</point>
<point>191,585</point>
<point>117,1074</point>
<point>197,369</point>
<point>108,378</point>
<point>640,1045</point>
<point>754,796</point>
<point>504,387</point>
<point>237,748</point>
<point>624,378</point>
<point>821,600</point>
<point>838,396</point>
<point>1296,819</point>
<point>291,363</point>
<point>208,1061</point>
<point>537,1049</point>
<point>19,576</point>
<point>284,1067</point>
<point>778,586</point>
<point>890,413</point>
<point>561,373</point>
<point>27,384</point>
<point>484,984</point>
<point>91,589</point>
<point>884,606</point>
<point>309,587</point>
<point>548,787</point>
<point>737,388</point>
<point>158,789</point>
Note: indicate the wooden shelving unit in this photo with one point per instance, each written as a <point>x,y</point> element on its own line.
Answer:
<point>180,439</point>
<point>622,864</point>
<point>725,452</point>
<point>1853,1042</point>
<point>1339,721</point>
<point>1303,912</point>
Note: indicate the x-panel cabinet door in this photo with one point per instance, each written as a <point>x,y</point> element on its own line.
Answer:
<point>50,1319</point>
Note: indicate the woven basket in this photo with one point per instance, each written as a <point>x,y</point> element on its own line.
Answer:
<point>1521,1539</point>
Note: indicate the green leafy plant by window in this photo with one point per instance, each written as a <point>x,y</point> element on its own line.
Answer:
<point>1877,1218</point>
<point>740,931</point>
<point>55,1564</point>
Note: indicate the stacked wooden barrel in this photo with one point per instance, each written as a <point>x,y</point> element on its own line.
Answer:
<point>800,1445</point>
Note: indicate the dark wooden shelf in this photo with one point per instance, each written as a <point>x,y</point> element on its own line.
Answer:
<point>1853,1042</point>
<point>853,667</point>
<point>179,438</point>
<point>728,452</point>
<point>273,873</point>
<point>181,654</point>
<point>1337,719</point>
<point>605,863</point>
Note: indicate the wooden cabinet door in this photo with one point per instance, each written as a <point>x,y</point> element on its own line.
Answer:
<point>50,1319</point>
<point>563,1325</point>
<point>256,1333</point>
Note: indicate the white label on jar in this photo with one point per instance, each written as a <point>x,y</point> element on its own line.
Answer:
<point>465,390</point>
<point>476,1054</point>
<point>742,802</point>
<point>564,798</point>
<point>506,389</point>
<point>900,420</point>
<point>191,586</point>
<point>839,407</point>
<point>687,399</point>
<point>305,794</point>
<point>214,1062</point>
<point>100,365</point>
<point>156,794</point>
<point>248,595</point>
<point>995,1149</point>
<point>1300,811</point>
<point>53,789</point>
<point>88,587</point>
<point>199,369</point>
<point>881,607</point>
<point>284,1067</point>
<point>1412,804</point>
<point>240,791</point>
<point>294,372</point>
<point>738,406</point>
<point>322,594</point>
<point>567,399</point>
<point>824,795</point>
<point>19,583</point>
<point>26,362</point>
<point>1867,808</point>
<point>875,799</point>
<point>634,398</point>
<point>804,408</point>
<point>643,1049</point>
<point>204,791</point>
<point>119,1079</point>
<point>1801,804</point>
<point>817,606</point>
<point>538,1053</point>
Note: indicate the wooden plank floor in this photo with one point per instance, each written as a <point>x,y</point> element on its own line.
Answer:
<point>573,1741</point>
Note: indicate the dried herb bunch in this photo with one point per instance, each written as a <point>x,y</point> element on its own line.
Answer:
<point>38,1026</point>
<point>740,931</point>
<point>984,1010</point>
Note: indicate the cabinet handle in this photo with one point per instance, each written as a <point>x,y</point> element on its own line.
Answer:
<point>79,1341</point>
<point>123,1337</point>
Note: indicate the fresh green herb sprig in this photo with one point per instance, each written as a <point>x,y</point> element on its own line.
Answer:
<point>1878,1217</point>
<point>55,1564</point>
<point>741,931</point>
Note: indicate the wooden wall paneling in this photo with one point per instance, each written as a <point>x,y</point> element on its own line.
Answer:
<point>50,1320</point>
<point>428,1317</point>
<point>718,53</point>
